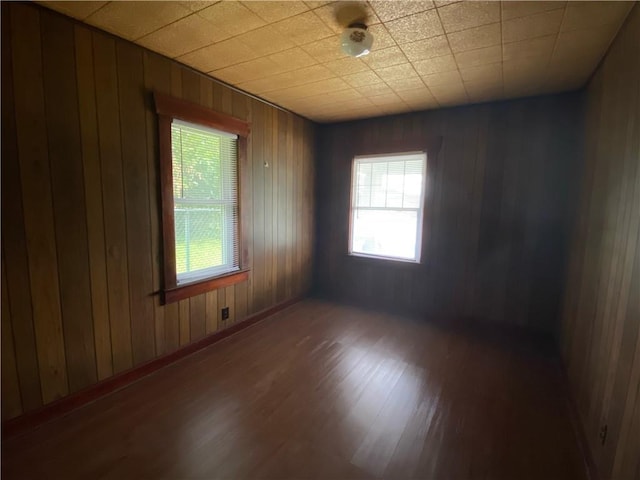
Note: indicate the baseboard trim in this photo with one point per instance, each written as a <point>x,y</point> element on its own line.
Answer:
<point>578,426</point>
<point>63,406</point>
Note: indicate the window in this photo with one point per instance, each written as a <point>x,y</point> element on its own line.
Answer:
<point>201,156</point>
<point>205,201</point>
<point>387,198</point>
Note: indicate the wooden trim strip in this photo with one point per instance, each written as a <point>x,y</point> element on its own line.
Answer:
<point>206,285</point>
<point>64,406</point>
<point>192,112</point>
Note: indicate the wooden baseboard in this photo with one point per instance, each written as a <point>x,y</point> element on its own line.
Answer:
<point>578,426</point>
<point>63,406</point>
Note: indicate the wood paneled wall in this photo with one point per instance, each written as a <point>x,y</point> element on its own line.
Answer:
<point>498,204</point>
<point>81,243</point>
<point>601,322</point>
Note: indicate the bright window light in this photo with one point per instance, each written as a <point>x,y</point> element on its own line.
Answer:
<point>387,198</point>
<point>205,198</point>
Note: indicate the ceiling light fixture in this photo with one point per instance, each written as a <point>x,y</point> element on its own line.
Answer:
<point>356,41</point>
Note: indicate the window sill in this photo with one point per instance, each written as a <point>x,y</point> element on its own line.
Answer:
<point>175,294</point>
<point>383,261</point>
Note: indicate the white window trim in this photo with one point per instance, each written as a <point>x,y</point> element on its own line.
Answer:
<point>400,156</point>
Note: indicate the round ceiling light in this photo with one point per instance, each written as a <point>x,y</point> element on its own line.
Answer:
<point>356,41</point>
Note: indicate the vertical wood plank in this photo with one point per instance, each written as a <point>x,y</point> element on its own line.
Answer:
<point>115,222</point>
<point>11,401</point>
<point>13,237</point>
<point>136,194</point>
<point>274,168</point>
<point>93,198</point>
<point>35,178</point>
<point>211,312</point>
<point>259,222</point>
<point>65,156</point>
<point>197,312</point>
<point>185,321</point>
<point>157,77</point>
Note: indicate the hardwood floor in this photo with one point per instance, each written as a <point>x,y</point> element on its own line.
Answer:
<point>325,391</point>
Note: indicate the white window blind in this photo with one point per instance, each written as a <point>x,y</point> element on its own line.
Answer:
<point>205,196</point>
<point>387,197</point>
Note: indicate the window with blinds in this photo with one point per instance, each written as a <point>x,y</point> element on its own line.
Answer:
<point>205,194</point>
<point>387,198</point>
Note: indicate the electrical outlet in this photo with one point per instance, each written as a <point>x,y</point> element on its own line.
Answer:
<point>225,313</point>
<point>603,434</point>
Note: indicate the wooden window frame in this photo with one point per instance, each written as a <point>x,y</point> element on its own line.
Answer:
<point>169,108</point>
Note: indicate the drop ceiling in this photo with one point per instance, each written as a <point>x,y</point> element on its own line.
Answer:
<point>425,55</point>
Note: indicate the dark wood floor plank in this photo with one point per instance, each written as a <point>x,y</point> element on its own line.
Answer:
<point>325,391</point>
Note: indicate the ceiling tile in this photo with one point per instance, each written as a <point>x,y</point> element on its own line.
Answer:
<point>450,94</point>
<point>377,89</point>
<point>197,5</point>
<point>326,50</point>
<point>581,15</point>
<point>327,86</point>
<point>540,47</point>
<point>304,28</point>
<point>481,56</point>
<point>313,4</point>
<point>481,92</point>
<point>273,11</point>
<point>381,37</point>
<point>408,83</point>
<point>251,70</point>
<point>415,27</point>
<point>421,94</point>
<point>397,72</point>
<point>184,36</point>
<point>346,66</point>
<point>525,71</point>
<point>515,9</point>
<point>442,78</point>
<point>391,10</point>
<point>265,40</point>
<point>343,95</point>
<point>483,73</point>
<point>339,15</point>
<point>132,20</point>
<point>463,15</point>
<point>386,99</point>
<point>362,78</point>
<point>574,43</point>
<point>445,63</point>
<point>218,55</point>
<point>532,26</point>
<point>477,37</point>
<point>427,48</point>
<point>79,10</point>
<point>292,59</point>
<point>287,79</point>
<point>232,17</point>
<point>385,58</point>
